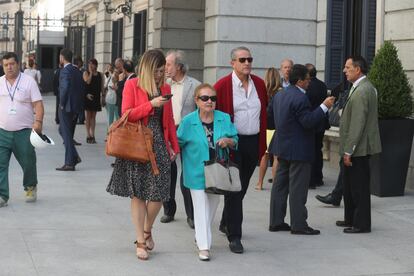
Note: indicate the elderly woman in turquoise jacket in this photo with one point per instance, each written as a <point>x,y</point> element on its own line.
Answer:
<point>198,135</point>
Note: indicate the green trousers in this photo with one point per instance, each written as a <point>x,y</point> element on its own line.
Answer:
<point>18,143</point>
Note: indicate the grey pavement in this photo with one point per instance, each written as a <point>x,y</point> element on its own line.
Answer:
<point>77,228</point>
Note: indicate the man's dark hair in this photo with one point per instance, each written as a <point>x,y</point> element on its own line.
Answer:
<point>311,69</point>
<point>11,55</point>
<point>359,61</point>
<point>78,61</point>
<point>299,72</point>
<point>66,54</point>
<point>128,66</point>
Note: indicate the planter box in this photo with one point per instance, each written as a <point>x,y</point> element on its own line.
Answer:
<point>389,169</point>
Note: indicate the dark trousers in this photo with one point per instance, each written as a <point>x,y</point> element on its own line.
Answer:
<point>81,116</point>
<point>338,191</point>
<point>66,128</point>
<point>317,165</point>
<point>357,196</point>
<point>170,206</point>
<point>292,178</point>
<point>57,109</point>
<point>246,158</point>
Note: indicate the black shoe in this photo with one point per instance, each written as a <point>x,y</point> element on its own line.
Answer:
<point>353,230</point>
<point>78,160</point>
<point>93,141</point>
<point>307,231</point>
<point>190,223</point>
<point>328,199</point>
<point>236,246</point>
<point>66,168</point>
<point>342,223</point>
<point>223,229</point>
<point>166,219</point>
<point>76,143</point>
<point>281,227</point>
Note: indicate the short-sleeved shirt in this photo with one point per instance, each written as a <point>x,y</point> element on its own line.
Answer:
<point>26,92</point>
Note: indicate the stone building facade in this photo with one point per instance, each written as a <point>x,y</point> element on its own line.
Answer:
<point>321,32</point>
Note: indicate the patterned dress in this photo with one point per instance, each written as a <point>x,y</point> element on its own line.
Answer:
<point>131,178</point>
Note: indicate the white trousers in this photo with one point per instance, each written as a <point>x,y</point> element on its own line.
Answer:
<point>205,206</point>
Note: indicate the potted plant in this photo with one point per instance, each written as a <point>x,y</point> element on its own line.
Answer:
<point>395,106</point>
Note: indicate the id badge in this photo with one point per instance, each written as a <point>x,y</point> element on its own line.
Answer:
<point>12,111</point>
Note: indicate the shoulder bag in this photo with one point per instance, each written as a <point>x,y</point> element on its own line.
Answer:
<point>131,141</point>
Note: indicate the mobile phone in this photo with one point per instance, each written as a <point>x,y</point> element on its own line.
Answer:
<point>167,96</point>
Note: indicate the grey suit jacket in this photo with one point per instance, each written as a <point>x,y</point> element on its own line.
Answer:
<point>188,104</point>
<point>358,129</point>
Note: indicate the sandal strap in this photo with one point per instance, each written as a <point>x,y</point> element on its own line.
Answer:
<point>148,234</point>
<point>141,245</point>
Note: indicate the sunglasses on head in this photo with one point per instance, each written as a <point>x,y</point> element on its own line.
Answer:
<point>205,98</point>
<point>243,59</point>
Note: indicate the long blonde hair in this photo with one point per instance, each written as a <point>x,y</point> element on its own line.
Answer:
<point>150,61</point>
<point>272,81</point>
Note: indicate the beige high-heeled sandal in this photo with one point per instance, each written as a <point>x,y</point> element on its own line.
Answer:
<point>149,241</point>
<point>142,252</point>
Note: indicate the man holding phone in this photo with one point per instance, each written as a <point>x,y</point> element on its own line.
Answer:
<point>182,87</point>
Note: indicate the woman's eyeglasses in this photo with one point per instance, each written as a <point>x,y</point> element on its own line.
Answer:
<point>205,98</point>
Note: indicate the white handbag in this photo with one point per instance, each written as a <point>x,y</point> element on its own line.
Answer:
<point>222,174</point>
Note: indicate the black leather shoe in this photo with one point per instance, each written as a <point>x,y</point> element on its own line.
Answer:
<point>342,223</point>
<point>66,168</point>
<point>307,231</point>
<point>223,229</point>
<point>76,143</point>
<point>78,160</point>
<point>236,246</point>
<point>190,223</point>
<point>166,219</point>
<point>353,230</point>
<point>281,227</point>
<point>328,199</point>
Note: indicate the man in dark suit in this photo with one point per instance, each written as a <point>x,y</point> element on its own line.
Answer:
<point>128,71</point>
<point>317,93</point>
<point>295,123</point>
<point>70,105</point>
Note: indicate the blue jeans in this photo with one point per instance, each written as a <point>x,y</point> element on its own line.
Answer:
<point>112,113</point>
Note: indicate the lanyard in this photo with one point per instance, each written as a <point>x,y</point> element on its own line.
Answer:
<point>9,89</point>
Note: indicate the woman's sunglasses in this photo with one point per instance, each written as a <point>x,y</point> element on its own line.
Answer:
<point>205,98</point>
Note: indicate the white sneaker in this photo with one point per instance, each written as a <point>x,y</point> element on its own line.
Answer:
<point>31,194</point>
<point>3,202</point>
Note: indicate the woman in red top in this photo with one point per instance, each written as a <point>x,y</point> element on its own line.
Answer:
<point>145,97</point>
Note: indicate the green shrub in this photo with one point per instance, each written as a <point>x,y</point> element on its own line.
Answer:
<point>394,91</point>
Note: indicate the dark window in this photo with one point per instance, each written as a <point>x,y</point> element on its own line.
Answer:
<point>90,43</point>
<point>47,60</point>
<point>140,33</point>
<point>117,37</point>
<point>74,40</point>
<point>350,31</point>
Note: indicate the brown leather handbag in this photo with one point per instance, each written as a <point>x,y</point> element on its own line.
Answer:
<point>131,141</point>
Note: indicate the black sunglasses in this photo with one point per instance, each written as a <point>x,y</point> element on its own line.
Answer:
<point>205,98</point>
<point>243,60</point>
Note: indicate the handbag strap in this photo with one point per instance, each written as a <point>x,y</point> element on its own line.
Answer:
<point>151,155</point>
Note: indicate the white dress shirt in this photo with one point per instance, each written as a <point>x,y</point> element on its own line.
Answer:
<point>247,106</point>
<point>177,88</point>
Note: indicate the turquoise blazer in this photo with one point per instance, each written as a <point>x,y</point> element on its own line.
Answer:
<point>194,145</point>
